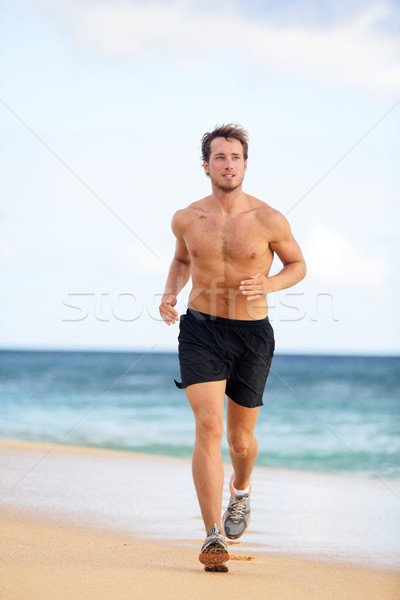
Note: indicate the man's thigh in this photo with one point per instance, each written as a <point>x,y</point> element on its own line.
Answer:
<point>207,398</point>
<point>240,421</point>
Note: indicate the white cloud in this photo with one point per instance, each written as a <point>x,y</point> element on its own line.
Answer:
<point>337,262</point>
<point>359,53</point>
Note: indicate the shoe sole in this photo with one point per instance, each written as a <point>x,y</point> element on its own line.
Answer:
<point>216,568</point>
<point>238,536</point>
<point>214,556</point>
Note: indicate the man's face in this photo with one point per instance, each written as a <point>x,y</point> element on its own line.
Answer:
<point>226,165</point>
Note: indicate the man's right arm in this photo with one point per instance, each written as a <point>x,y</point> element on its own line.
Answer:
<point>179,272</point>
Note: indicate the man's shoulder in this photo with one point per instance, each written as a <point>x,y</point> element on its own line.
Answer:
<point>183,217</point>
<point>271,219</point>
<point>264,211</point>
<point>189,212</point>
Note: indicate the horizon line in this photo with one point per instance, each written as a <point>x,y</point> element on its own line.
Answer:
<point>283,352</point>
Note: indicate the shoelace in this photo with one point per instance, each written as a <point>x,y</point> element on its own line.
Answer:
<point>238,508</point>
<point>214,532</point>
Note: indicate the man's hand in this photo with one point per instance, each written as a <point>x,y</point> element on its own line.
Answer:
<point>166,309</point>
<point>256,287</point>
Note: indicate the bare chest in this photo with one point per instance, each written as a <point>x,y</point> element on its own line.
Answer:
<point>234,238</point>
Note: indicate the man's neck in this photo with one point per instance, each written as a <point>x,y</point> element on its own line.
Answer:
<point>228,202</point>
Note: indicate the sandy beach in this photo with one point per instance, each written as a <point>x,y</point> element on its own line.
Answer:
<point>74,525</point>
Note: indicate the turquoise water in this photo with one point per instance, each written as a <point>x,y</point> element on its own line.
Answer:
<point>321,413</point>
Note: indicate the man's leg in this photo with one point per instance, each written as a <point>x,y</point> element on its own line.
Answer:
<point>241,422</point>
<point>207,402</point>
<point>243,447</point>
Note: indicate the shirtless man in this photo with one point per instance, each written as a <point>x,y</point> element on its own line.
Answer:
<point>226,243</point>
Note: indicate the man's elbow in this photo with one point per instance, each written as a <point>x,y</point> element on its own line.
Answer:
<point>184,261</point>
<point>303,269</point>
<point>299,269</point>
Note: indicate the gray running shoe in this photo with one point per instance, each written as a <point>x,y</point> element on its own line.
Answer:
<point>237,516</point>
<point>214,551</point>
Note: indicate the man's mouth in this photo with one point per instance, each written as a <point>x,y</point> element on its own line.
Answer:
<point>229,176</point>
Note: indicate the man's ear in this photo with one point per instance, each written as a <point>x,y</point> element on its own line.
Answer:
<point>205,167</point>
<point>245,165</point>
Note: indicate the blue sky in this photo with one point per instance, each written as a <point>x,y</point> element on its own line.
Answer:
<point>102,108</point>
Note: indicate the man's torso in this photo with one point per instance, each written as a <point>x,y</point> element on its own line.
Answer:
<point>224,250</point>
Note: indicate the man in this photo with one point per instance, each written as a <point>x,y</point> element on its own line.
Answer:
<point>226,243</point>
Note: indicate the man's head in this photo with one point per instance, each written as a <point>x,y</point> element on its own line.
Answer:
<point>229,132</point>
<point>225,156</point>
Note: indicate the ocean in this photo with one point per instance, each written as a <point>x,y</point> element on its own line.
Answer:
<point>329,414</point>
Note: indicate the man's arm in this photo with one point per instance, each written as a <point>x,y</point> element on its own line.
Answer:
<point>294,269</point>
<point>178,275</point>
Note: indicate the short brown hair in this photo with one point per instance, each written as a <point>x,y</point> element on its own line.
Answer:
<point>230,131</point>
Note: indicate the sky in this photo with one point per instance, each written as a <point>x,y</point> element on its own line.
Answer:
<point>102,109</point>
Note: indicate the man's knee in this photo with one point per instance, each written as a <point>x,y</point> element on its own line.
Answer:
<point>240,442</point>
<point>209,429</point>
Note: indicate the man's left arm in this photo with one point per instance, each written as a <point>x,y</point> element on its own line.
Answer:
<point>294,267</point>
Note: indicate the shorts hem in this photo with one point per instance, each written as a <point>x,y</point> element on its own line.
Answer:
<point>245,405</point>
<point>182,386</point>
<point>240,402</point>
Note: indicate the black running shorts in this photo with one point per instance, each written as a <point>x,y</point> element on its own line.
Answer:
<point>213,349</point>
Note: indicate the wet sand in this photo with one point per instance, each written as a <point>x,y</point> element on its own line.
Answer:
<point>66,535</point>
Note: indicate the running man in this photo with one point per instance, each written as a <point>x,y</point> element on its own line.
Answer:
<point>226,243</point>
